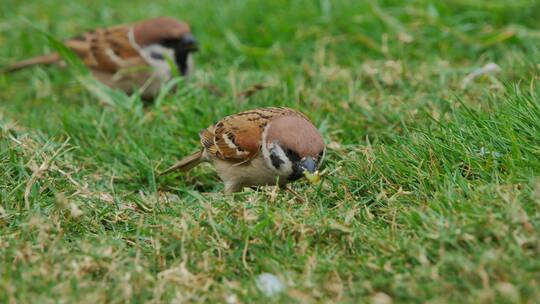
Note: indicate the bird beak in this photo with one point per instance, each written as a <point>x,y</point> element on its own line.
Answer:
<point>308,164</point>
<point>190,43</point>
<point>310,170</point>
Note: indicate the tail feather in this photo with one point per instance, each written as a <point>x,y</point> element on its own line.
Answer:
<point>44,59</point>
<point>185,164</point>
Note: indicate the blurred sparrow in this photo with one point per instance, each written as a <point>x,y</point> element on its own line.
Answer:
<point>265,146</point>
<point>130,57</point>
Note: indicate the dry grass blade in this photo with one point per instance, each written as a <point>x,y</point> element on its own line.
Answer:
<point>38,172</point>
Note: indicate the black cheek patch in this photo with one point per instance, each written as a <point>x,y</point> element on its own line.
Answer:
<point>294,158</point>
<point>276,161</point>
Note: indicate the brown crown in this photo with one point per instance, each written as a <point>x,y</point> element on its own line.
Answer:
<point>156,29</point>
<point>296,133</point>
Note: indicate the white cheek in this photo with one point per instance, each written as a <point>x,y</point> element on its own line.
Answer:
<point>285,168</point>
<point>265,151</point>
<point>161,67</point>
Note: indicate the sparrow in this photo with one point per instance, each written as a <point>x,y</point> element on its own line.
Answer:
<point>265,146</point>
<point>130,57</point>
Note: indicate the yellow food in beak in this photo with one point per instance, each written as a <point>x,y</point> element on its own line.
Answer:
<point>314,177</point>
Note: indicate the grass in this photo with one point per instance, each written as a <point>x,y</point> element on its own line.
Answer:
<point>431,192</point>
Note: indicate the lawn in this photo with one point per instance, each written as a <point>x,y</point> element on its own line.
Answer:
<point>431,188</point>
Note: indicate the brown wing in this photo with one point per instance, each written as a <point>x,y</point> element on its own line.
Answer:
<point>107,50</point>
<point>237,138</point>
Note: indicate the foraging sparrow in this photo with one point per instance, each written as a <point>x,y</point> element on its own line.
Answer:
<point>264,146</point>
<point>130,57</point>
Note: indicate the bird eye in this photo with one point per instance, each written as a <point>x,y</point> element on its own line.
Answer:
<point>157,56</point>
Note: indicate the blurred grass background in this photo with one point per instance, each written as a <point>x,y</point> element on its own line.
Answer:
<point>431,190</point>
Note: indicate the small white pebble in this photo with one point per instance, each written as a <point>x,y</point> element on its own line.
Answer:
<point>269,284</point>
<point>381,298</point>
<point>231,299</point>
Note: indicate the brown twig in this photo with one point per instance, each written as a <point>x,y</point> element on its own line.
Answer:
<point>295,194</point>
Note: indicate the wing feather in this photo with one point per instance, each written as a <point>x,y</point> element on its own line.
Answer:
<point>107,50</point>
<point>237,138</point>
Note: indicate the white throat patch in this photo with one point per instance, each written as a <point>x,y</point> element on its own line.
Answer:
<point>274,150</point>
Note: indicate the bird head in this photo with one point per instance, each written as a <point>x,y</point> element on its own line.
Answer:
<point>164,37</point>
<point>293,147</point>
